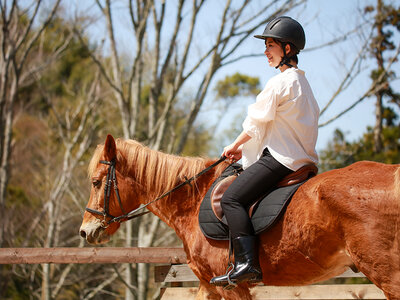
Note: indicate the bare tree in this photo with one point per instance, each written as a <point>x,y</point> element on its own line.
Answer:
<point>18,39</point>
<point>57,179</point>
<point>375,38</point>
<point>386,20</point>
<point>75,128</point>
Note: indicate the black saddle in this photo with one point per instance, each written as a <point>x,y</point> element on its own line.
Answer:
<point>264,213</point>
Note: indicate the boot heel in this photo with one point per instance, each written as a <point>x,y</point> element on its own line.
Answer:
<point>255,280</point>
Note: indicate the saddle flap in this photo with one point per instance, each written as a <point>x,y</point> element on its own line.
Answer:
<point>302,174</point>
<point>217,194</point>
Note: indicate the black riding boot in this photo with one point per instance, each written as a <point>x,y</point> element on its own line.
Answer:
<point>247,266</point>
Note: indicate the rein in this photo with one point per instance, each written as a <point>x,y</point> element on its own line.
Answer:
<point>112,180</point>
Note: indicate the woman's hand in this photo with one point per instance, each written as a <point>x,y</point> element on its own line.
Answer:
<point>232,152</point>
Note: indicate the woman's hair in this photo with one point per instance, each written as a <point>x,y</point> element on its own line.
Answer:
<point>292,55</point>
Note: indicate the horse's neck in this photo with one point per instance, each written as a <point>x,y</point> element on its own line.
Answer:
<point>180,209</point>
<point>181,204</point>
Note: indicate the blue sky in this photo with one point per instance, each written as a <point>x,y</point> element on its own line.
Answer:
<point>322,20</point>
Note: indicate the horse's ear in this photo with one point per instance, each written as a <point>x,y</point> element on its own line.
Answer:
<point>110,149</point>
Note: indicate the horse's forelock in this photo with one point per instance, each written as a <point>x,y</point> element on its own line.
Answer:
<point>95,160</point>
<point>122,148</point>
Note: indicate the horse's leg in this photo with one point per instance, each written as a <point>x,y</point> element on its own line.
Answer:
<point>206,291</point>
<point>241,292</point>
<point>377,256</point>
<point>391,297</point>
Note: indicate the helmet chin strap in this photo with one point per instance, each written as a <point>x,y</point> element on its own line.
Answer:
<point>285,59</point>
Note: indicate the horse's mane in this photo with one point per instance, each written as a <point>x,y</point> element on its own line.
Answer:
<point>156,171</point>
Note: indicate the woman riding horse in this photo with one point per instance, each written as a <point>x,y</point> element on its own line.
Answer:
<point>279,136</point>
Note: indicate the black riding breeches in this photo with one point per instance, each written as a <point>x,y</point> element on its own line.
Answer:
<point>251,184</point>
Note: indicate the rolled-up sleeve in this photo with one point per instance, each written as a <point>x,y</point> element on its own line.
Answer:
<point>260,112</point>
<point>251,128</point>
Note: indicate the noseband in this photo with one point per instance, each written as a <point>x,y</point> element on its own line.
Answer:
<point>112,179</point>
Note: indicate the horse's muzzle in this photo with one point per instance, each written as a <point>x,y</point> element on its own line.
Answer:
<point>94,233</point>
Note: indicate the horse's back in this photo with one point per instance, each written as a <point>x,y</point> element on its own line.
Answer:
<point>361,186</point>
<point>364,192</point>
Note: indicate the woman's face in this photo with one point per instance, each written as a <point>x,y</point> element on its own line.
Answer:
<point>273,51</point>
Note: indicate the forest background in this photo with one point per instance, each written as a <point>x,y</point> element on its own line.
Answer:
<point>177,76</point>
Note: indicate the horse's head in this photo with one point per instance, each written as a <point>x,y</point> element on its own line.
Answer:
<point>105,205</point>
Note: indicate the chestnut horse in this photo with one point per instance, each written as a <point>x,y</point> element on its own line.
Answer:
<point>342,218</point>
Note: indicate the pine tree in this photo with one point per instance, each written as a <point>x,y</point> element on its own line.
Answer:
<point>386,20</point>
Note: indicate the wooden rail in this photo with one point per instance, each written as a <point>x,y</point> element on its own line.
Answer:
<point>91,255</point>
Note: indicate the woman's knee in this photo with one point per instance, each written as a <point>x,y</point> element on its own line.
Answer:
<point>229,201</point>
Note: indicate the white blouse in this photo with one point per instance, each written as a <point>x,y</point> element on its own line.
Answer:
<point>284,118</point>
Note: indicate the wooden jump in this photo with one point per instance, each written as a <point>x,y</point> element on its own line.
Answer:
<point>176,273</point>
<point>310,292</point>
<point>91,255</point>
<point>182,273</point>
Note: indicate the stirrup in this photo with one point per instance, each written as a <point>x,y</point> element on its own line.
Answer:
<point>231,285</point>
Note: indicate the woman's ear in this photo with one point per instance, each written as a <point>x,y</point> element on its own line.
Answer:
<point>288,48</point>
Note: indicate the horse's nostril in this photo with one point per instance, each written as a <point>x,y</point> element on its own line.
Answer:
<point>83,234</point>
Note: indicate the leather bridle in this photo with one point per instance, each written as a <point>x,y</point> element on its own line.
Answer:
<point>111,179</point>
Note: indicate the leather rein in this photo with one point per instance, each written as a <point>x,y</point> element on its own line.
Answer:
<point>111,181</point>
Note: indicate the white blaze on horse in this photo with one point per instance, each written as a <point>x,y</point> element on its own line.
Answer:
<point>336,220</point>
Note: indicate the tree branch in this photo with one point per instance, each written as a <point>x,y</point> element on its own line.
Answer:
<point>376,86</point>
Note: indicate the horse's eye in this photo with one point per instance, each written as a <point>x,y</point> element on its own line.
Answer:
<point>96,182</point>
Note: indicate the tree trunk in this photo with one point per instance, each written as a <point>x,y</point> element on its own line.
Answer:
<point>378,124</point>
<point>379,58</point>
<point>45,282</point>
<point>147,232</point>
<point>4,172</point>
<point>128,271</point>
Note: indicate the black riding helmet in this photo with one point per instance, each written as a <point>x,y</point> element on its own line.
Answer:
<point>286,30</point>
